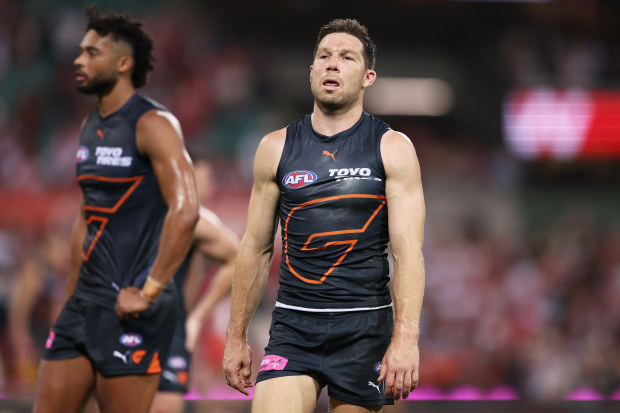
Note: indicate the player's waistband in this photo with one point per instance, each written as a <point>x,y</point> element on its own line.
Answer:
<point>330,310</point>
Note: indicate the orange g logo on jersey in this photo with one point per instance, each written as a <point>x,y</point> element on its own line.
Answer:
<point>314,237</point>
<point>127,185</point>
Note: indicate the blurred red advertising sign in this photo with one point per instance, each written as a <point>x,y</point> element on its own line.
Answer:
<point>562,124</point>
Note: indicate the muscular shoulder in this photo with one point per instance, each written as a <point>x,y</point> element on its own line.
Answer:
<point>159,120</point>
<point>268,153</point>
<point>157,127</point>
<point>395,140</point>
<point>273,142</point>
<point>397,152</point>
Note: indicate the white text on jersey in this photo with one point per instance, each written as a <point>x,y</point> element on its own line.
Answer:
<point>112,156</point>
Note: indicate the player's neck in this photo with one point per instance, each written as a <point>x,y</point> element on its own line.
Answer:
<point>330,123</point>
<point>117,97</point>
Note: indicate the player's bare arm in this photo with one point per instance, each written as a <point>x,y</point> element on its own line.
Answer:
<point>78,233</point>
<point>158,136</point>
<point>253,260</point>
<point>406,213</point>
<point>218,243</point>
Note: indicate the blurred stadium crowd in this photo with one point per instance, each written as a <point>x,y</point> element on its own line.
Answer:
<point>522,259</point>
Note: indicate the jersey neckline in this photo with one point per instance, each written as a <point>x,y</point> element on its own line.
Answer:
<point>340,135</point>
<point>120,110</point>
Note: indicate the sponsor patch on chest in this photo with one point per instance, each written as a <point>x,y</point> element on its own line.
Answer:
<point>82,154</point>
<point>112,156</point>
<point>298,179</point>
<point>352,173</point>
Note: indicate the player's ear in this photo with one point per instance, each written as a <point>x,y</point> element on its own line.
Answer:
<point>125,64</point>
<point>369,78</point>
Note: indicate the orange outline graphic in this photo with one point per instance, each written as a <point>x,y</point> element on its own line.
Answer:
<point>136,181</point>
<point>103,221</point>
<point>324,234</point>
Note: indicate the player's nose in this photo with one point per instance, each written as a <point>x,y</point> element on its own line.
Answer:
<point>79,61</point>
<point>332,64</point>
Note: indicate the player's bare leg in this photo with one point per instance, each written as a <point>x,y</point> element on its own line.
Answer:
<point>64,386</point>
<point>336,406</point>
<point>289,394</point>
<point>126,394</point>
<point>167,402</point>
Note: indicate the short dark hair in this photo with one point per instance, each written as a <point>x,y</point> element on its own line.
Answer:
<point>123,27</point>
<point>354,28</point>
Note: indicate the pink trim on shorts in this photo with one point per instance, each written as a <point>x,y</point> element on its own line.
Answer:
<point>50,339</point>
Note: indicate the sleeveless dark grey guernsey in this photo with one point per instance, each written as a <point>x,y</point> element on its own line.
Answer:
<point>333,216</point>
<point>123,204</point>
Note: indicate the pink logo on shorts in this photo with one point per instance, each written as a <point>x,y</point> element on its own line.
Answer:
<point>273,363</point>
<point>50,340</point>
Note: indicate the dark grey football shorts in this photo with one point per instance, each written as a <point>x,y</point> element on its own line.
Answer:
<point>115,347</point>
<point>342,350</point>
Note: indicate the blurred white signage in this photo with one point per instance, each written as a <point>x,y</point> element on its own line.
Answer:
<point>408,96</point>
<point>562,124</point>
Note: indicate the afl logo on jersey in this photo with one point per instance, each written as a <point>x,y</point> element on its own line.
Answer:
<point>82,154</point>
<point>131,339</point>
<point>298,179</point>
<point>378,367</point>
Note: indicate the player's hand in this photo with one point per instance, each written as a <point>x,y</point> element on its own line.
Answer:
<point>129,303</point>
<point>238,365</point>
<point>400,368</point>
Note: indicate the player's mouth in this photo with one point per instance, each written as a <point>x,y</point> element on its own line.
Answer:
<point>331,84</point>
<point>80,77</point>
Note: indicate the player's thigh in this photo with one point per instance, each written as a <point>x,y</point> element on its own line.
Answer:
<point>288,394</point>
<point>337,406</point>
<point>167,402</point>
<point>126,394</point>
<point>64,386</point>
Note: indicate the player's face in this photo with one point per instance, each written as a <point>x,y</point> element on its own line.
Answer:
<point>95,66</point>
<point>338,74</point>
